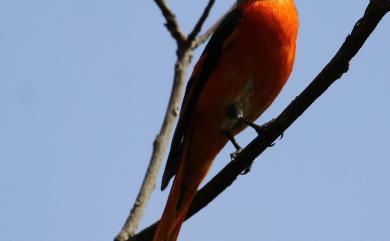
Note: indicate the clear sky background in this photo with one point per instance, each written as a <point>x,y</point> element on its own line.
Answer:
<point>84,85</point>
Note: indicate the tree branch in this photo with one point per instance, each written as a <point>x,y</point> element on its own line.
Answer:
<point>184,54</point>
<point>171,24</point>
<point>204,36</point>
<point>199,24</point>
<point>331,72</point>
<point>159,147</point>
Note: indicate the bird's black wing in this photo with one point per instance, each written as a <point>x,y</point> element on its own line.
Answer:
<point>210,59</point>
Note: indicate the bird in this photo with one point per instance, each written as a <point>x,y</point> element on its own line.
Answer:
<point>242,69</point>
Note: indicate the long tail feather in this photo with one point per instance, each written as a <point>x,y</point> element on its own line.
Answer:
<point>175,211</point>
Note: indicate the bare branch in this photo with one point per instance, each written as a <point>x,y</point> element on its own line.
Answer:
<point>171,24</point>
<point>331,72</point>
<point>159,147</point>
<point>203,37</point>
<point>184,54</point>
<point>206,35</point>
<point>199,24</point>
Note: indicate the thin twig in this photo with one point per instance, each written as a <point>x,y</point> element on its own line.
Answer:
<point>332,71</point>
<point>206,35</point>
<point>203,37</point>
<point>159,147</point>
<point>199,24</point>
<point>160,143</point>
<point>171,24</point>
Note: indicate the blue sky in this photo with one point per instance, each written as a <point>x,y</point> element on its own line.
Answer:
<point>84,85</point>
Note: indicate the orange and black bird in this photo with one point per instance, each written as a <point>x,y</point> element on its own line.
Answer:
<point>243,68</point>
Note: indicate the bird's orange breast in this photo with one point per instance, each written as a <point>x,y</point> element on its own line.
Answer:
<point>256,62</point>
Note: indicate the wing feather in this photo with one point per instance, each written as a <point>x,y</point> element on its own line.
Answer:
<point>202,71</point>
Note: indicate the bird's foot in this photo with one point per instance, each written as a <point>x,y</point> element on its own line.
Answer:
<point>233,157</point>
<point>231,138</point>
<point>261,130</point>
<point>247,169</point>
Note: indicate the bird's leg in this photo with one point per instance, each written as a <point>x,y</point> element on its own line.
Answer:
<point>233,141</point>
<point>233,155</point>
<point>231,138</point>
<point>260,129</point>
<point>235,113</point>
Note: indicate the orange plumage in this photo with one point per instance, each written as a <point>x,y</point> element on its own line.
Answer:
<point>245,65</point>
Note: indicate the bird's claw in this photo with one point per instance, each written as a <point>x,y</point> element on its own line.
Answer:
<point>261,130</point>
<point>258,128</point>
<point>247,170</point>
<point>234,155</point>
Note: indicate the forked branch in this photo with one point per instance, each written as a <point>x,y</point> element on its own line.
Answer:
<point>184,53</point>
